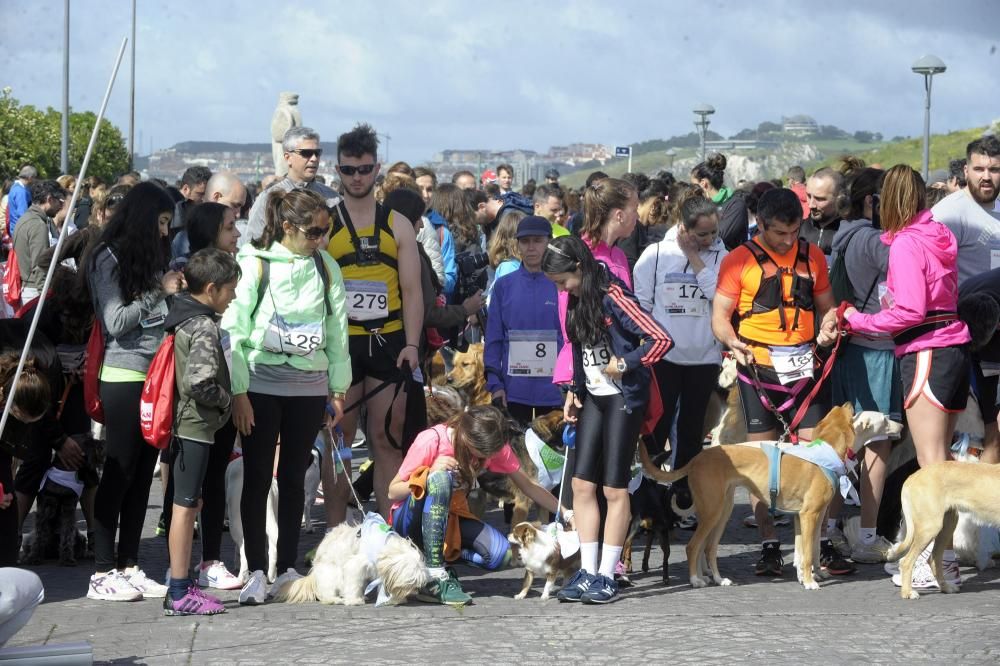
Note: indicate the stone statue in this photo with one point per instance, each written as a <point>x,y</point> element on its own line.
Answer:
<point>286,116</point>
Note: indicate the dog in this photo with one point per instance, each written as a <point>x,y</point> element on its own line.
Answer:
<point>653,514</point>
<point>234,495</point>
<point>468,374</point>
<point>55,516</point>
<point>541,555</point>
<point>443,404</point>
<point>548,429</point>
<point>932,498</point>
<point>350,557</point>
<point>714,474</point>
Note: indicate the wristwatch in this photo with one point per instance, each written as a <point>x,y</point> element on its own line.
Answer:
<point>622,366</point>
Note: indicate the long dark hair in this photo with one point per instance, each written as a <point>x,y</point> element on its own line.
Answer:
<point>451,203</point>
<point>479,433</point>
<point>33,395</point>
<point>585,314</point>
<point>296,207</point>
<point>203,223</point>
<point>133,234</point>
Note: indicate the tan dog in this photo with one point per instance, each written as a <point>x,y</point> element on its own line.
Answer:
<point>468,374</point>
<point>931,499</point>
<point>541,555</point>
<point>715,473</point>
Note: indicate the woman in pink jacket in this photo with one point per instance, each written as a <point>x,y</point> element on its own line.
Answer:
<point>919,310</point>
<point>611,210</point>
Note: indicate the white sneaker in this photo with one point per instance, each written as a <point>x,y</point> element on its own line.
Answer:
<point>874,552</point>
<point>255,590</point>
<point>290,576</point>
<point>892,568</point>
<point>150,588</point>
<point>216,575</point>
<point>112,586</point>
<point>923,577</point>
<point>952,574</point>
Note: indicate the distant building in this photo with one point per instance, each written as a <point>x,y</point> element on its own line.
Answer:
<point>800,125</point>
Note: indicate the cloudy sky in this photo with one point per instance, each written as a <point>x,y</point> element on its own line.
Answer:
<point>437,74</point>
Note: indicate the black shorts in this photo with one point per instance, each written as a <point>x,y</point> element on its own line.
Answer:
<point>32,469</point>
<point>606,438</point>
<point>760,419</point>
<point>375,356</point>
<point>985,389</point>
<point>189,462</point>
<point>940,375</point>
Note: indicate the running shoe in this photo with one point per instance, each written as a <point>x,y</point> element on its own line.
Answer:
<point>446,590</point>
<point>112,586</point>
<point>290,576</point>
<point>255,590</point>
<point>602,591</point>
<point>832,561</point>
<point>770,562</point>
<point>577,585</point>
<point>217,576</point>
<point>150,588</point>
<point>872,553</point>
<point>194,602</point>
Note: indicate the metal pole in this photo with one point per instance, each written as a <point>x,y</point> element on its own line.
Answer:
<point>62,237</point>
<point>131,97</point>
<point>64,142</point>
<point>630,159</point>
<point>928,78</point>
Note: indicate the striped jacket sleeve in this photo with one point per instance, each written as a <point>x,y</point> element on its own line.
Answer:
<point>653,340</point>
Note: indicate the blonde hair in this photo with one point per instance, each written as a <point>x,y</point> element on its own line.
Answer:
<point>503,245</point>
<point>903,196</point>
<point>395,180</point>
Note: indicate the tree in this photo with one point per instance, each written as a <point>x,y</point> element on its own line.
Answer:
<point>29,136</point>
<point>767,127</point>
<point>864,137</point>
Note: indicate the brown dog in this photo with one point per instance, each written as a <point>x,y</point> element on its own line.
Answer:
<point>715,473</point>
<point>931,499</point>
<point>541,555</point>
<point>468,374</point>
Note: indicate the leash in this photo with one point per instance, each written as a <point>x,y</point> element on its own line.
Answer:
<point>569,441</point>
<point>338,443</point>
<point>365,397</point>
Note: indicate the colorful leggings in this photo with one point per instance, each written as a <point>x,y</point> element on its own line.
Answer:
<point>424,521</point>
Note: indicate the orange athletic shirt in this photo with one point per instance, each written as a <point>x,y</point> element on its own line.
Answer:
<point>739,278</point>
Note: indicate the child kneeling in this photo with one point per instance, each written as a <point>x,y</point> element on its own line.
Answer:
<point>204,402</point>
<point>429,497</point>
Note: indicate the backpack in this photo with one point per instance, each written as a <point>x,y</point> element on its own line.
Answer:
<point>264,270</point>
<point>843,290</point>
<point>156,404</point>
<point>12,280</point>
<point>92,373</point>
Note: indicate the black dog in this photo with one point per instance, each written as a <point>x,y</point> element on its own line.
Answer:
<point>55,533</point>
<point>653,514</point>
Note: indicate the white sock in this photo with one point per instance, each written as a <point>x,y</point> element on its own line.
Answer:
<point>437,573</point>
<point>609,558</point>
<point>867,535</point>
<point>831,524</point>
<point>588,557</point>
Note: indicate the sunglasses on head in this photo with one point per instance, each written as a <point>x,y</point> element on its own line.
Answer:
<point>308,153</point>
<point>312,233</point>
<point>363,169</point>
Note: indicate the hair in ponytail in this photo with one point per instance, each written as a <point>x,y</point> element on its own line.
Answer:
<point>712,169</point>
<point>599,200</point>
<point>296,207</point>
<point>33,396</point>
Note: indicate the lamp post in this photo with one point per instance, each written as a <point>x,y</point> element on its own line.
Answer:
<point>64,130</point>
<point>928,66</point>
<point>703,111</point>
<point>131,98</point>
<point>671,155</point>
<point>387,139</point>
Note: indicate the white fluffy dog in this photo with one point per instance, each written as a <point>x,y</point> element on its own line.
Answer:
<point>234,494</point>
<point>350,557</point>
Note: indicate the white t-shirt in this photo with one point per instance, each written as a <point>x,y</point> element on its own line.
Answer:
<point>976,230</point>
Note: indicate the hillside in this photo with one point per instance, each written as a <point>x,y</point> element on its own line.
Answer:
<point>944,147</point>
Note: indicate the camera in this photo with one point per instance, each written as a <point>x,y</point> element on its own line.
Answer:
<point>471,274</point>
<point>367,253</point>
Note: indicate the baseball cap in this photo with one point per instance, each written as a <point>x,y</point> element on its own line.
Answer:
<point>489,176</point>
<point>552,173</point>
<point>534,225</point>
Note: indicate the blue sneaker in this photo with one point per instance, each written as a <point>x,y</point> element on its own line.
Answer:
<point>603,590</point>
<point>577,585</point>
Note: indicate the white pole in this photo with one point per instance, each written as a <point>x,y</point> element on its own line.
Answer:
<point>64,142</point>
<point>62,237</point>
<point>630,159</point>
<point>131,100</point>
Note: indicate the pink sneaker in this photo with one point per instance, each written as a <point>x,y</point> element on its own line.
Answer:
<point>194,602</point>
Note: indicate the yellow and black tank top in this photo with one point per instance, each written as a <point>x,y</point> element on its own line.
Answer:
<point>371,273</point>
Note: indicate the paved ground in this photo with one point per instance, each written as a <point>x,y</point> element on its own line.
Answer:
<point>854,619</point>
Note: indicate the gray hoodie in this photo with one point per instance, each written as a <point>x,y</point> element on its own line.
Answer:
<point>866,260</point>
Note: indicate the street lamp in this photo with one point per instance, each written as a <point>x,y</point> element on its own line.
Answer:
<point>671,155</point>
<point>387,139</point>
<point>703,111</point>
<point>928,66</point>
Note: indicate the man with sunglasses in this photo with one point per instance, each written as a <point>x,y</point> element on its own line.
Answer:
<point>378,256</point>
<point>34,232</point>
<point>302,154</point>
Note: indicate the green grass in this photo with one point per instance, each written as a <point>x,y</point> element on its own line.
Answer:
<point>944,147</point>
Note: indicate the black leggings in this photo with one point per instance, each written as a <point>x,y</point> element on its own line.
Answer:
<point>213,493</point>
<point>8,516</point>
<point>688,387</point>
<point>123,493</point>
<point>606,437</point>
<point>296,420</point>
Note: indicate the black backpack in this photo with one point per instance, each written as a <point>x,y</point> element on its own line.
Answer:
<point>840,281</point>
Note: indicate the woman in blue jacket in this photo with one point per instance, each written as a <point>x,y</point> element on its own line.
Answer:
<point>615,343</point>
<point>523,336</point>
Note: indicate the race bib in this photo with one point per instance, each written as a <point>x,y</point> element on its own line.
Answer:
<point>532,353</point>
<point>366,300</point>
<point>282,337</point>
<point>681,296</point>
<point>595,360</point>
<point>155,317</point>
<point>792,363</point>
<point>994,254</point>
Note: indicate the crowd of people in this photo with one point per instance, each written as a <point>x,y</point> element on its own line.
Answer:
<point>314,308</point>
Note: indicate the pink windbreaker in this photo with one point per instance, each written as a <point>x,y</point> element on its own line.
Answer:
<point>922,276</point>
<point>618,263</point>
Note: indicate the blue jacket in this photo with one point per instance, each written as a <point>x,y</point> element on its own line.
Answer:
<point>523,306</point>
<point>447,250</point>
<point>635,337</point>
<point>18,200</point>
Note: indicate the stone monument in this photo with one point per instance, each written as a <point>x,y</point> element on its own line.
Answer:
<point>286,116</point>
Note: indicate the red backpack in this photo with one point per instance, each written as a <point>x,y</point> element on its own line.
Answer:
<point>156,405</point>
<point>12,281</point>
<point>92,373</point>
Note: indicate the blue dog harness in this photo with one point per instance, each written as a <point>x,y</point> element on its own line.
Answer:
<point>774,455</point>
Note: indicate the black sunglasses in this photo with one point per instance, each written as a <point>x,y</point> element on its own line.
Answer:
<point>308,153</point>
<point>364,169</point>
<point>312,233</point>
